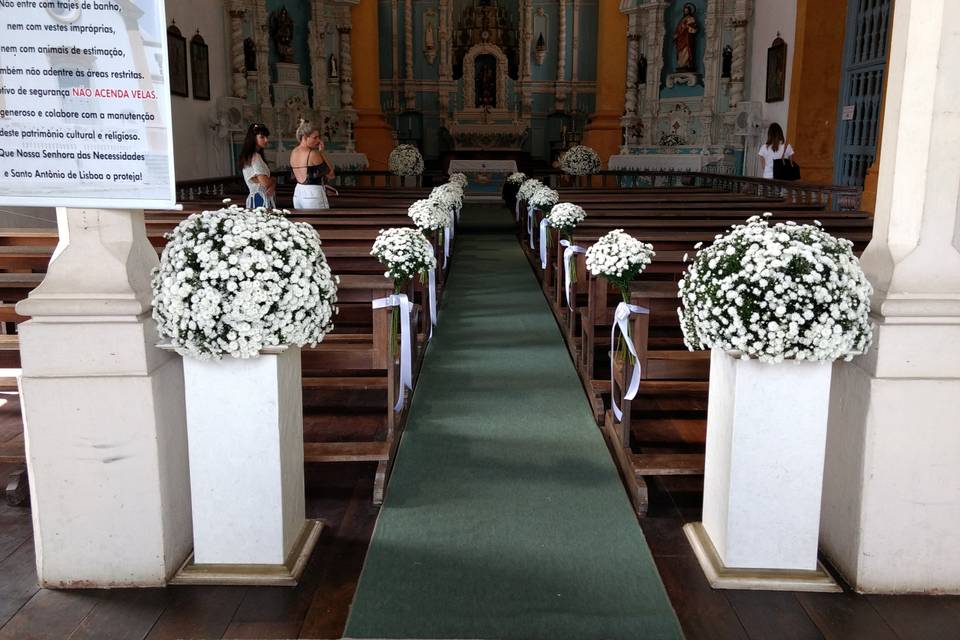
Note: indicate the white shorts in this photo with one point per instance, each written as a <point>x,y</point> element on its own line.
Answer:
<point>310,196</point>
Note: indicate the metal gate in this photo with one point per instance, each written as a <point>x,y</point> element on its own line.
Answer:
<point>861,91</point>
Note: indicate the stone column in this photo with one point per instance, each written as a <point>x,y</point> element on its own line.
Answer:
<point>891,495</point>
<point>318,56</point>
<point>738,67</point>
<point>445,30</point>
<point>261,38</point>
<point>373,134</point>
<point>633,55</point>
<point>575,70</point>
<point>527,51</point>
<point>409,92</point>
<point>560,88</point>
<point>238,69</point>
<point>395,52</point>
<point>346,67</point>
<point>653,19</point>
<point>103,413</point>
<point>604,132</point>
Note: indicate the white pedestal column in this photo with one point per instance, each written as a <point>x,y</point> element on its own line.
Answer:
<point>103,413</point>
<point>891,508</point>
<point>245,426</point>
<point>766,431</point>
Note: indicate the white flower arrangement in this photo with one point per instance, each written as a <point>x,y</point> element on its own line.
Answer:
<point>618,257</point>
<point>233,281</point>
<point>459,178</point>
<point>405,160</point>
<point>580,161</point>
<point>449,196</point>
<point>517,178</point>
<point>528,188</point>
<point>544,198</point>
<point>429,214</point>
<point>405,252</point>
<point>774,293</point>
<point>565,217</point>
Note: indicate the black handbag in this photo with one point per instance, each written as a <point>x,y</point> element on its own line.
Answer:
<point>785,168</point>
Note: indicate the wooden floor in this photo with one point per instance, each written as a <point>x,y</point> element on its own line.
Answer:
<point>318,607</point>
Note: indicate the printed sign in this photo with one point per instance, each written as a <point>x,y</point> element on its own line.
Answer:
<point>84,104</point>
<point>848,112</point>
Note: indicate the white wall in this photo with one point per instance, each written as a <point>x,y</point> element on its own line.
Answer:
<point>769,17</point>
<point>199,153</point>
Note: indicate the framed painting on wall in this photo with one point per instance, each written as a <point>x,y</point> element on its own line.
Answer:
<point>776,70</point>
<point>200,67</point>
<point>177,47</point>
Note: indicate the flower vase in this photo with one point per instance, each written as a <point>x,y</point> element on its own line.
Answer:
<point>766,439</point>
<point>245,434</point>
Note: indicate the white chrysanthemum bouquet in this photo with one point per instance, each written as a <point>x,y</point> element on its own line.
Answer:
<point>449,196</point>
<point>544,198</point>
<point>429,215</point>
<point>580,161</point>
<point>405,252</point>
<point>517,178</point>
<point>565,216</point>
<point>619,258</point>
<point>459,178</point>
<point>777,292</point>
<point>233,281</point>
<point>405,160</point>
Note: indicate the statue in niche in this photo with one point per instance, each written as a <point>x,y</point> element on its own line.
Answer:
<point>642,70</point>
<point>250,54</point>
<point>486,81</point>
<point>727,62</point>
<point>281,30</point>
<point>428,41</point>
<point>333,66</point>
<point>684,39</point>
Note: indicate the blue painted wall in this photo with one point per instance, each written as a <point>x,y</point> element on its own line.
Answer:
<point>299,11</point>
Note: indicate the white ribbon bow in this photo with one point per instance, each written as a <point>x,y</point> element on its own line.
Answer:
<point>530,210</point>
<point>406,347</point>
<point>432,279</point>
<point>568,253</point>
<point>543,243</point>
<point>620,322</point>
<point>447,233</point>
<point>459,207</point>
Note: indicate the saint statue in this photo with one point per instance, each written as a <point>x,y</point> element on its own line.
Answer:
<point>281,30</point>
<point>428,40</point>
<point>684,39</point>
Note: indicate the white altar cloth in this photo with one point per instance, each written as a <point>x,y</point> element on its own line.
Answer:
<point>482,166</point>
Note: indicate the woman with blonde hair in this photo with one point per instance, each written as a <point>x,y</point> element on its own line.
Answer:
<point>256,173</point>
<point>311,168</point>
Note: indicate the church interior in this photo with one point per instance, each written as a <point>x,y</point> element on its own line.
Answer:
<point>505,442</point>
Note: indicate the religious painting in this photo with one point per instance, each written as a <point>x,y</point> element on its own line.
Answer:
<point>177,49</point>
<point>776,70</point>
<point>200,67</point>
<point>486,81</point>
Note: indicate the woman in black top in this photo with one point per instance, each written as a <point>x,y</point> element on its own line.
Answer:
<point>311,167</point>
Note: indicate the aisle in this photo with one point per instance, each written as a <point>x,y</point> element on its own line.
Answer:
<point>505,517</point>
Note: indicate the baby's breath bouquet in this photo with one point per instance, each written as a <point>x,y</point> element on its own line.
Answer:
<point>544,198</point>
<point>517,178</point>
<point>405,252</point>
<point>777,292</point>
<point>233,281</point>
<point>405,160</point>
<point>528,188</point>
<point>459,178</point>
<point>580,161</point>
<point>565,216</point>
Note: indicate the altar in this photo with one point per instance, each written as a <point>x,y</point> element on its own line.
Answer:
<point>486,177</point>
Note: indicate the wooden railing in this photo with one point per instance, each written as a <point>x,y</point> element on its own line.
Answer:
<point>833,197</point>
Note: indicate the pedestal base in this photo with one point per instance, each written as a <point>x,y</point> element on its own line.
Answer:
<point>722,577</point>
<point>276,575</point>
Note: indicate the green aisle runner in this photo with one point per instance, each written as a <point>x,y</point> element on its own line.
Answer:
<point>505,517</point>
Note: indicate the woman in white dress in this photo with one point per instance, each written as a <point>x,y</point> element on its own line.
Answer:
<point>311,167</point>
<point>256,173</point>
<point>776,148</point>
